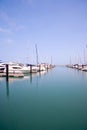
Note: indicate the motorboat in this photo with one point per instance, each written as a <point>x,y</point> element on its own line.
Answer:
<point>34,68</point>
<point>17,68</point>
<point>2,67</point>
<point>42,67</point>
<point>84,68</point>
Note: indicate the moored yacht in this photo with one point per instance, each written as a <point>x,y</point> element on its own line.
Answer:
<point>17,68</point>
<point>42,67</point>
<point>2,67</point>
<point>84,68</point>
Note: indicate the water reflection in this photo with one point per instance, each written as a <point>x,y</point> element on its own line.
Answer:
<point>37,75</point>
<point>31,78</point>
<point>27,80</point>
<point>53,101</point>
<point>7,88</point>
<point>42,73</point>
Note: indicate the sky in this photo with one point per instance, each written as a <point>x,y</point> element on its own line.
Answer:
<point>57,27</point>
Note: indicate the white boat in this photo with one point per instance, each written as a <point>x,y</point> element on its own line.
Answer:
<point>75,66</point>
<point>84,68</point>
<point>80,67</point>
<point>35,69</point>
<point>2,67</point>
<point>17,68</point>
<point>42,67</point>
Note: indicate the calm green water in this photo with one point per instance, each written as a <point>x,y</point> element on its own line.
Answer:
<point>56,100</point>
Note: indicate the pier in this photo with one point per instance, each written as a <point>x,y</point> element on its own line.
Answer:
<point>12,75</point>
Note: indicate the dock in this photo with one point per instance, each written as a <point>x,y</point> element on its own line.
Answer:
<point>16,75</point>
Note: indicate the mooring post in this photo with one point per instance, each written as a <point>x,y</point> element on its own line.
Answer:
<point>30,68</point>
<point>7,72</point>
<point>47,68</point>
<point>30,73</point>
<point>39,68</point>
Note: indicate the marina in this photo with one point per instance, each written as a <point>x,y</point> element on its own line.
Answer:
<point>82,67</point>
<point>43,65</point>
<point>53,99</point>
<point>13,69</point>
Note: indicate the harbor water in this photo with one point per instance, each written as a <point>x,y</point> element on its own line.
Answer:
<point>53,100</point>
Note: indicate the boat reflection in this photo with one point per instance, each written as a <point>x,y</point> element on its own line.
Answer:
<point>29,80</point>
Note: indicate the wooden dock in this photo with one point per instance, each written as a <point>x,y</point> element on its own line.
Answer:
<point>17,75</point>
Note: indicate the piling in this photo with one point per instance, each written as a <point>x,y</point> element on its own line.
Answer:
<point>30,73</point>
<point>39,68</point>
<point>30,68</point>
<point>47,67</point>
<point>7,72</point>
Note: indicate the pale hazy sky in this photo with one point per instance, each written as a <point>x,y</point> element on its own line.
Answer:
<point>58,27</point>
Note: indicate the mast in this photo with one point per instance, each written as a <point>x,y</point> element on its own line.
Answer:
<point>84,55</point>
<point>51,60</point>
<point>36,54</point>
<point>70,60</point>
